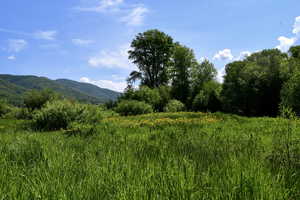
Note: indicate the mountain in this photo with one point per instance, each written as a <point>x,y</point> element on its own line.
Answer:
<point>13,88</point>
<point>89,89</point>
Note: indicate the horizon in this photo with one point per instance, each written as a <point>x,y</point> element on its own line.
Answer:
<point>87,40</point>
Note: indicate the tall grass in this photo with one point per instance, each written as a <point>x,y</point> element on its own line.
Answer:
<point>177,156</point>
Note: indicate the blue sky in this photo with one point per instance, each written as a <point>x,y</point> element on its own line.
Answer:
<point>88,40</point>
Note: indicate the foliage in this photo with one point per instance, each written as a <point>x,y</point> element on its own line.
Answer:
<point>35,100</point>
<point>110,104</point>
<point>252,86</point>
<point>208,99</point>
<point>133,107</point>
<point>287,112</point>
<point>4,108</point>
<point>290,96</point>
<point>144,93</point>
<point>14,87</point>
<point>60,114</point>
<point>183,62</point>
<point>202,73</point>
<point>174,106</point>
<point>295,52</point>
<point>81,129</point>
<point>165,96</point>
<point>19,113</point>
<point>151,52</point>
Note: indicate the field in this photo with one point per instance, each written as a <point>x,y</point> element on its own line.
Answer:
<point>155,156</point>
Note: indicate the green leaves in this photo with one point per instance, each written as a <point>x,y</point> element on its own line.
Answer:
<point>151,52</point>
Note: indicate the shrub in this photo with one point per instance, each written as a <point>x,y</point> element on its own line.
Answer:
<point>4,108</point>
<point>146,94</point>
<point>287,113</point>
<point>290,96</point>
<point>165,97</point>
<point>57,115</point>
<point>208,99</point>
<point>110,104</point>
<point>174,106</point>
<point>35,99</point>
<point>133,107</point>
<point>19,113</point>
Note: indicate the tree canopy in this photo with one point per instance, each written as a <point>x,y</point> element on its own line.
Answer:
<point>151,52</point>
<point>254,86</point>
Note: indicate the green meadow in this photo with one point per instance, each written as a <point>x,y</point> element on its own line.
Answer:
<point>154,156</point>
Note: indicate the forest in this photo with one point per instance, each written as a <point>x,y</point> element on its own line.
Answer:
<point>263,84</point>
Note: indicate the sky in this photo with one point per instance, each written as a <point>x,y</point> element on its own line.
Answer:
<point>88,40</point>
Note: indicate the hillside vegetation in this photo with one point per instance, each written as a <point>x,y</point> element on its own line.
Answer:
<point>13,87</point>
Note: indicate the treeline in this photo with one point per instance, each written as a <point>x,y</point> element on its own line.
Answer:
<point>171,79</point>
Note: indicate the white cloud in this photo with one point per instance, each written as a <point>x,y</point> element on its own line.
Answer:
<point>112,85</point>
<point>202,59</point>
<point>296,28</point>
<point>130,14</point>
<point>81,42</point>
<point>117,77</point>
<point>243,55</point>
<point>220,75</point>
<point>103,6</point>
<point>136,16</point>
<point>112,59</point>
<point>45,35</point>
<point>12,57</point>
<point>16,45</point>
<point>223,55</point>
<point>285,43</point>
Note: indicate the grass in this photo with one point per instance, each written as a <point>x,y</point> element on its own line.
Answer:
<point>155,156</point>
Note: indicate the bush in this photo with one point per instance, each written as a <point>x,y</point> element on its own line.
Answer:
<point>133,107</point>
<point>58,115</point>
<point>35,99</point>
<point>208,99</point>
<point>110,104</point>
<point>287,113</point>
<point>4,108</point>
<point>146,94</point>
<point>290,96</point>
<point>19,113</point>
<point>165,97</point>
<point>174,106</point>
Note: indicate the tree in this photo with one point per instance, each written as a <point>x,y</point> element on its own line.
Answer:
<point>151,52</point>
<point>208,98</point>
<point>202,73</point>
<point>295,52</point>
<point>183,62</point>
<point>35,99</point>
<point>144,93</point>
<point>290,95</point>
<point>252,86</point>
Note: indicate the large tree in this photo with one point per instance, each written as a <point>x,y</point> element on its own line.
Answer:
<point>202,73</point>
<point>183,62</point>
<point>252,86</point>
<point>151,52</point>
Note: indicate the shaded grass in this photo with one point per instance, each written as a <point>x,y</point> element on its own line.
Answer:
<point>229,157</point>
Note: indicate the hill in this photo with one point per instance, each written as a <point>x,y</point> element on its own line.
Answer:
<point>89,89</point>
<point>13,87</point>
